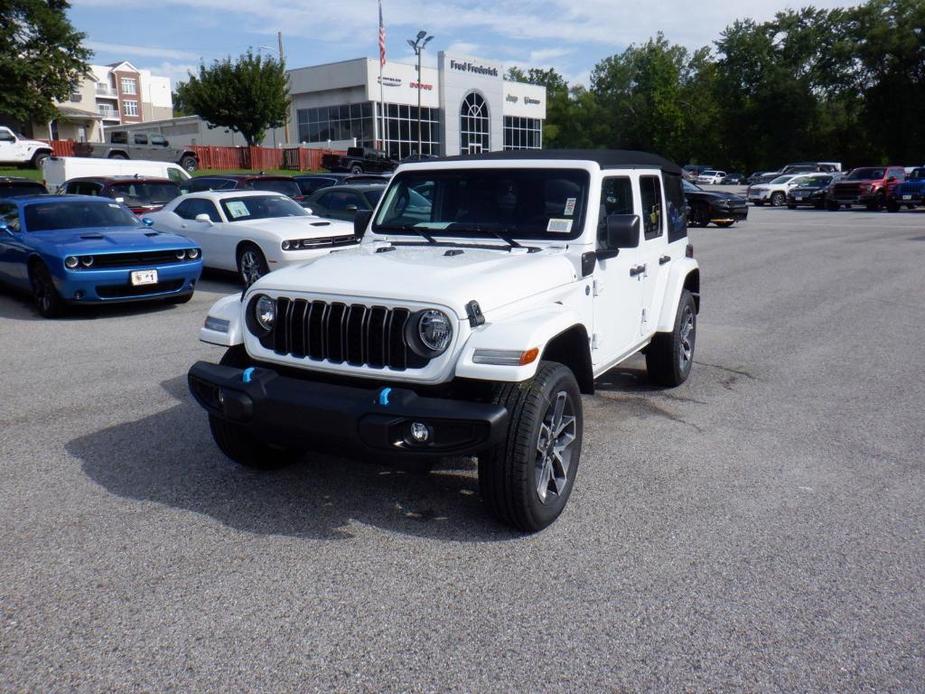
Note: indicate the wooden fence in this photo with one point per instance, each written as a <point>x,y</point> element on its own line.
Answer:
<point>249,158</point>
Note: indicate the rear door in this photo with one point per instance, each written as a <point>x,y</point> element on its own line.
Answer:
<point>653,251</point>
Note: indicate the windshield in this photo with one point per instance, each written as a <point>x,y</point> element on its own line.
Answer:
<point>866,174</point>
<point>544,204</point>
<point>145,193</point>
<point>246,209</point>
<point>277,185</point>
<point>690,187</point>
<point>12,189</point>
<point>52,216</point>
<point>782,179</point>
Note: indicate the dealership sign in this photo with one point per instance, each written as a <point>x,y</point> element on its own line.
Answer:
<point>473,67</point>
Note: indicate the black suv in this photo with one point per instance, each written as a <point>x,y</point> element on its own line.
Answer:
<point>14,187</point>
<point>286,185</point>
<point>141,194</point>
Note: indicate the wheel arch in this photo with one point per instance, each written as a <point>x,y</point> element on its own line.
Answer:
<point>571,348</point>
<point>685,275</point>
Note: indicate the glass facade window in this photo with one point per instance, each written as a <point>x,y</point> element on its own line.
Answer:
<point>337,123</point>
<point>523,133</point>
<point>401,130</point>
<point>474,125</point>
<point>128,85</point>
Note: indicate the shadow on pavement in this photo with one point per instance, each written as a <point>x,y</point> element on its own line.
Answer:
<point>170,458</point>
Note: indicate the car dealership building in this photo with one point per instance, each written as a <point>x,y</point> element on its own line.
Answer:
<point>466,107</point>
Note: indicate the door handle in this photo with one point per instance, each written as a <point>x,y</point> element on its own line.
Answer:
<point>638,270</point>
<point>664,259</point>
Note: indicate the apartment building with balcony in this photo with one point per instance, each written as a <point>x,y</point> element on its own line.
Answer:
<point>114,94</point>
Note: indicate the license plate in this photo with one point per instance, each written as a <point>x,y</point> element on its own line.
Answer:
<point>907,197</point>
<point>140,277</point>
<point>798,197</point>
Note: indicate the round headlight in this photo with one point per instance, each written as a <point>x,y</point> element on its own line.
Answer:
<point>192,253</point>
<point>265,312</point>
<point>181,255</point>
<point>434,330</point>
<point>286,245</point>
<point>70,262</point>
<point>86,260</point>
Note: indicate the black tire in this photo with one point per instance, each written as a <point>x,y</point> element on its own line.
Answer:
<point>47,300</point>
<point>892,205</point>
<point>724,225</point>
<point>670,356</point>
<point>700,215</point>
<point>38,158</point>
<point>117,155</point>
<point>252,265</point>
<point>832,206</point>
<point>758,203</point>
<point>356,169</point>
<point>189,163</point>
<point>778,199</point>
<point>238,444</point>
<point>511,474</point>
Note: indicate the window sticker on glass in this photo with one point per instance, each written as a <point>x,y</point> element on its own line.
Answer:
<point>559,226</point>
<point>113,204</point>
<point>569,207</point>
<point>236,208</point>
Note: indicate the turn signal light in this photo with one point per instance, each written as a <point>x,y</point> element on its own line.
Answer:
<point>529,356</point>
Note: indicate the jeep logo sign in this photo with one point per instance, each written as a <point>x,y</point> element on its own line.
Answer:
<point>472,67</point>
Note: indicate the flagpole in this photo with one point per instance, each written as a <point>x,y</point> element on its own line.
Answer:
<point>382,134</point>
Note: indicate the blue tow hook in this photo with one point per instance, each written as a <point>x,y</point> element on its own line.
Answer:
<point>248,374</point>
<point>384,396</point>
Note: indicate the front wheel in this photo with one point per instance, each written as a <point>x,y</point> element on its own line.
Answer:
<point>252,265</point>
<point>38,159</point>
<point>527,479</point>
<point>356,169</point>
<point>44,293</point>
<point>670,356</point>
<point>777,199</point>
<point>892,205</point>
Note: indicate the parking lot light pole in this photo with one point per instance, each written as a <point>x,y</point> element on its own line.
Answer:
<point>418,45</point>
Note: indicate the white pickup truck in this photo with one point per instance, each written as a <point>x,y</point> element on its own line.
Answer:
<point>467,326</point>
<point>20,151</point>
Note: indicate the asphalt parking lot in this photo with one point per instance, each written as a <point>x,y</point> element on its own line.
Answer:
<point>759,528</point>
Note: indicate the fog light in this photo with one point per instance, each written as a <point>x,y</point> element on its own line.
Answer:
<point>420,432</point>
<point>221,397</point>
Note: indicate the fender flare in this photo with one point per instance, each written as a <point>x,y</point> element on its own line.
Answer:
<point>228,308</point>
<point>533,329</point>
<point>685,272</point>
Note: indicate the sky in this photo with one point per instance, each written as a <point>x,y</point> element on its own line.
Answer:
<point>171,37</point>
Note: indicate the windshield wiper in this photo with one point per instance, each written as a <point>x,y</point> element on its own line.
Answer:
<point>408,227</point>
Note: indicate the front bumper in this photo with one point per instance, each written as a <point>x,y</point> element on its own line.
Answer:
<point>113,285</point>
<point>303,413</point>
<point>738,213</point>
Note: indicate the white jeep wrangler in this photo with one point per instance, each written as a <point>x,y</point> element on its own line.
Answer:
<point>487,295</point>
<point>19,150</point>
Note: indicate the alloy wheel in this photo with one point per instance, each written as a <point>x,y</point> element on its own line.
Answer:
<point>554,447</point>
<point>250,266</point>
<point>688,330</point>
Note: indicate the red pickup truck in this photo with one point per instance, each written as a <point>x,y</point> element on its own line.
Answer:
<point>867,185</point>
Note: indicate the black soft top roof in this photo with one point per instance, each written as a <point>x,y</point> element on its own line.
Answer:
<point>605,158</point>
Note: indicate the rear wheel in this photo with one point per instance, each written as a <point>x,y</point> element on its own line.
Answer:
<point>724,225</point>
<point>356,169</point>
<point>44,293</point>
<point>670,356</point>
<point>117,155</point>
<point>527,480</point>
<point>252,265</point>
<point>189,163</point>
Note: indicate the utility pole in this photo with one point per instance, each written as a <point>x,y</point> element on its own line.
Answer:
<point>418,45</point>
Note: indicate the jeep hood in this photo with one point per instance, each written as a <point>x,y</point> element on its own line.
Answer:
<point>425,274</point>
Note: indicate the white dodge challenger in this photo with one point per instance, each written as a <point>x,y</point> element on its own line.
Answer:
<point>251,232</point>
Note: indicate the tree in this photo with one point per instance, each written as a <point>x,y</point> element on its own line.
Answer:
<point>41,58</point>
<point>248,95</point>
<point>558,102</point>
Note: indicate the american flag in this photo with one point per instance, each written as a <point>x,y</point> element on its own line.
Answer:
<point>381,37</point>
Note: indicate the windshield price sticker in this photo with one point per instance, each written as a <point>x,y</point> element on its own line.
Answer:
<point>236,208</point>
<point>569,207</point>
<point>559,226</point>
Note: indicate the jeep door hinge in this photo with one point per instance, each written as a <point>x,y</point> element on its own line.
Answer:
<point>598,287</point>
<point>594,341</point>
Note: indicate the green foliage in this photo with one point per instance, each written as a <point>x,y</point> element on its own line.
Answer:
<point>248,95</point>
<point>846,84</point>
<point>41,58</point>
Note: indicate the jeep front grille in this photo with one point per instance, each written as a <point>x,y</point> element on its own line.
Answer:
<point>354,334</point>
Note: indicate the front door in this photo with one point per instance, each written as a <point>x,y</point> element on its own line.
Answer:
<point>617,286</point>
<point>9,151</point>
<point>13,251</point>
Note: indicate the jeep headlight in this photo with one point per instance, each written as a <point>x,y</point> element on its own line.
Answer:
<point>432,332</point>
<point>265,312</point>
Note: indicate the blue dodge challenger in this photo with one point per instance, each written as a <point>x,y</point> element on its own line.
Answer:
<point>75,249</point>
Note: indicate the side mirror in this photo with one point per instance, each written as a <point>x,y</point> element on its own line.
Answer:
<point>204,218</point>
<point>4,227</point>
<point>622,231</point>
<point>147,221</point>
<point>360,222</point>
